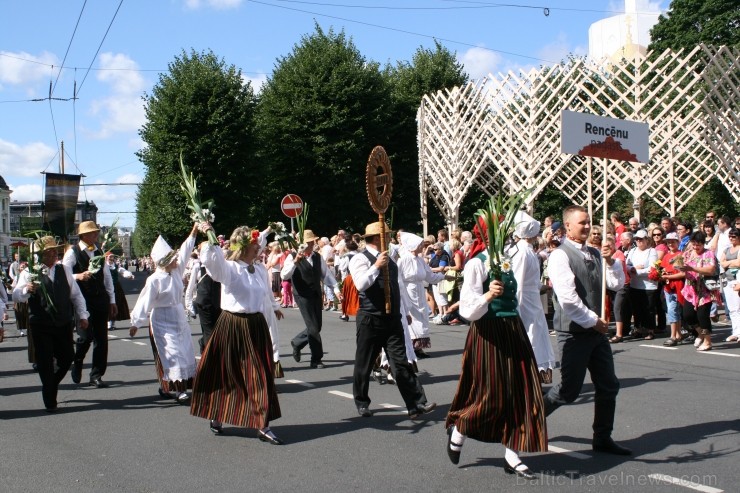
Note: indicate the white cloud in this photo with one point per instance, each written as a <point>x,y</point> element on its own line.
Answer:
<point>23,68</point>
<point>129,178</point>
<point>27,160</point>
<point>215,4</point>
<point>479,62</point>
<point>558,50</point>
<point>123,110</point>
<point>256,82</point>
<point>24,193</point>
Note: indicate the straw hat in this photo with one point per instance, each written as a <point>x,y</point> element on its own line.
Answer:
<point>373,229</point>
<point>309,236</point>
<point>46,243</point>
<point>87,227</point>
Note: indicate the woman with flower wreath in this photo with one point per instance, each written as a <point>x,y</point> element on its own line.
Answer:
<point>235,381</point>
<point>498,397</point>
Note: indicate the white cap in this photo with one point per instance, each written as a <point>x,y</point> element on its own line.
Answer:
<point>525,226</point>
<point>162,252</point>
<point>641,234</point>
<point>410,241</point>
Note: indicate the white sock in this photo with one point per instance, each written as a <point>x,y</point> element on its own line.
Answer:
<point>512,458</point>
<point>267,431</point>
<point>457,441</point>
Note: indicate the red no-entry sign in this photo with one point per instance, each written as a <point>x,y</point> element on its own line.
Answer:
<point>291,205</point>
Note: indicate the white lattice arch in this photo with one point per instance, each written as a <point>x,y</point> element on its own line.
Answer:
<point>505,131</point>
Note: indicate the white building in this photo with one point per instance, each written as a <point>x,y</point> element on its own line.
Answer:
<point>5,248</point>
<point>623,35</point>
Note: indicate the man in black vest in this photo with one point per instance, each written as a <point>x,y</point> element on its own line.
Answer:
<point>378,330</point>
<point>576,274</point>
<point>207,301</point>
<point>97,288</point>
<point>307,269</point>
<point>53,299</point>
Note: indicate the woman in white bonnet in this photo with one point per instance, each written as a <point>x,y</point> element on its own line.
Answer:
<point>526,267</point>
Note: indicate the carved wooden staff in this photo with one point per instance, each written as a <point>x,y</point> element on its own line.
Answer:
<point>379,184</point>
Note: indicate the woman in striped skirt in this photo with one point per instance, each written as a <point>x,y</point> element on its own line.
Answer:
<point>498,398</point>
<point>235,382</point>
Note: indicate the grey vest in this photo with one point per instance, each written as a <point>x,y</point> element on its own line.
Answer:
<point>588,286</point>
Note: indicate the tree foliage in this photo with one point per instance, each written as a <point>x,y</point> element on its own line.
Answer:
<point>204,110</point>
<point>691,22</point>
<point>318,118</point>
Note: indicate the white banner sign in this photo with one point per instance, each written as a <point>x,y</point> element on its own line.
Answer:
<point>598,136</point>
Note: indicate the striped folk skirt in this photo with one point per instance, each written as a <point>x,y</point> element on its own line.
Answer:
<point>499,397</point>
<point>235,383</point>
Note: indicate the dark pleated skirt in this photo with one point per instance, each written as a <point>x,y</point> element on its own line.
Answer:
<point>121,303</point>
<point>235,382</point>
<point>165,385</point>
<point>499,397</point>
<point>350,297</point>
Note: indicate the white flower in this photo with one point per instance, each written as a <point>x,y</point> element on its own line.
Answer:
<point>505,264</point>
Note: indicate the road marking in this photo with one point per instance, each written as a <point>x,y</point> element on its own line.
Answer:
<point>570,453</point>
<point>126,340</point>
<point>140,343</point>
<point>342,394</point>
<point>112,336</point>
<point>659,347</point>
<point>301,383</point>
<point>716,353</point>
<point>685,483</point>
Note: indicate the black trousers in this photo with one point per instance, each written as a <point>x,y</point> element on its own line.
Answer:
<point>376,332</point>
<point>97,335</point>
<point>579,352</point>
<point>643,305</point>
<point>311,310</point>
<point>207,316</point>
<point>52,343</point>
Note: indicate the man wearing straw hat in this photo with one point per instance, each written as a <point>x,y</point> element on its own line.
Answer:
<point>53,301</point>
<point>97,288</point>
<point>378,330</point>
<point>307,269</point>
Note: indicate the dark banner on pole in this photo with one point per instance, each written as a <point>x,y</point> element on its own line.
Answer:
<point>60,203</point>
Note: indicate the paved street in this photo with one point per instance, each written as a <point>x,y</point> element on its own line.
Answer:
<point>678,410</point>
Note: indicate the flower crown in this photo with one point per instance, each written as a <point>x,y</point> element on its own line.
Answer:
<point>248,239</point>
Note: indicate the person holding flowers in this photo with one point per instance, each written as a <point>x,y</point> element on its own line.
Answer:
<point>673,280</point>
<point>160,307</point>
<point>498,397</point>
<point>576,274</point>
<point>54,299</point>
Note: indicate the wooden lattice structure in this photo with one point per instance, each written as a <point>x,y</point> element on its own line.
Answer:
<point>505,131</point>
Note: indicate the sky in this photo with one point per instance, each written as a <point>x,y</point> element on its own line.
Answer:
<point>113,51</point>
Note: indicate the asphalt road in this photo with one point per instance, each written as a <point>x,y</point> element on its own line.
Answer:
<point>678,410</point>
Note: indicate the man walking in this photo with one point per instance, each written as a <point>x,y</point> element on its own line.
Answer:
<point>378,330</point>
<point>100,298</point>
<point>576,273</point>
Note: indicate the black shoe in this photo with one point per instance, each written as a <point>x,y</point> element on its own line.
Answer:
<point>421,354</point>
<point>452,454</point>
<point>422,409</point>
<point>264,437</point>
<point>318,365</point>
<point>51,409</point>
<point>163,394</point>
<point>296,354</point>
<point>98,383</point>
<point>183,398</point>
<point>344,317</point>
<point>524,473</point>
<point>76,371</point>
<point>609,446</point>
<point>378,376</point>
<point>364,411</point>
<point>216,430</point>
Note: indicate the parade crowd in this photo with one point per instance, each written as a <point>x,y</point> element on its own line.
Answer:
<point>671,278</point>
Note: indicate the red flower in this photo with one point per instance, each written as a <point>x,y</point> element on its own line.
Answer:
<point>653,274</point>
<point>255,236</point>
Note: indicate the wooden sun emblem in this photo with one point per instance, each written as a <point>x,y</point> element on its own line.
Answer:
<point>379,180</point>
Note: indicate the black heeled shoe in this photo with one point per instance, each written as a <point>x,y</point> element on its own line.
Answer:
<point>524,473</point>
<point>454,455</point>
<point>264,437</point>
<point>216,430</point>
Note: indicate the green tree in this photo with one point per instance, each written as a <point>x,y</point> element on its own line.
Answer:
<point>204,110</point>
<point>691,22</point>
<point>429,71</point>
<point>318,118</point>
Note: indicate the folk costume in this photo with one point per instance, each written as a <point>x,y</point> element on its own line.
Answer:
<point>526,268</point>
<point>160,308</point>
<point>498,397</point>
<point>52,311</point>
<point>204,297</point>
<point>235,382</point>
<point>116,272</point>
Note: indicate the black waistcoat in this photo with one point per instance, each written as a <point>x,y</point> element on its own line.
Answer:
<point>40,313</point>
<point>372,300</point>
<point>93,290</point>
<point>307,277</point>
<point>207,292</point>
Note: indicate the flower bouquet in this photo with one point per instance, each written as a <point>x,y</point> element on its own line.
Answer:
<point>201,211</point>
<point>36,269</point>
<point>109,243</point>
<point>655,273</point>
<point>284,239</point>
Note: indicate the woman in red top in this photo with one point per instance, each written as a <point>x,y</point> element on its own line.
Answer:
<point>673,280</point>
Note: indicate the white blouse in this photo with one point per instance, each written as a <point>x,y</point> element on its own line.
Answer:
<point>241,291</point>
<point>473,303</point>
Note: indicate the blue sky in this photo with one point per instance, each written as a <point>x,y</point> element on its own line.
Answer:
<point>100,128</point>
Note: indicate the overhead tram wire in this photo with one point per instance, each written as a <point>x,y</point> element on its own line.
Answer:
<point>68,47</point>
<point>100,46</point>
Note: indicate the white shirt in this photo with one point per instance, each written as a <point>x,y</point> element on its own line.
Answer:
<point>364,273</point>
<point>241,291</point>
<point>328,277</point>
<point>564,286</point>
<point>70,261</point>
<point>646,258</point>
<point>473,303</point>
<point>723,243</point>
<point>21,294</point>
